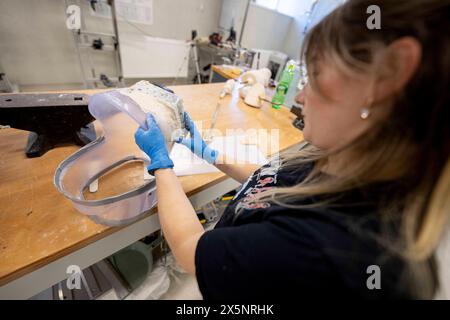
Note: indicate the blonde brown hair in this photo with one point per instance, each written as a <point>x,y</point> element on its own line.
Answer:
<point>410,148</point>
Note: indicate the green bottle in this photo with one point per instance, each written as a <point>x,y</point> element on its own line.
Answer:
<point>283,85</point>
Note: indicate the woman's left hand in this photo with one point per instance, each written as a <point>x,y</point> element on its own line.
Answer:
<point>152,142</point>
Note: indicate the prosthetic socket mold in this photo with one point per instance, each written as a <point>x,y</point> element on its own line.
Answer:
<point>119,113</point>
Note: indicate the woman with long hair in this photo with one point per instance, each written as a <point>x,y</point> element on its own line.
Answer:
<point>360,210</point>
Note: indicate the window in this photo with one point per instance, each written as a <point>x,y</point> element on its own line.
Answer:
<point>270,4</point>
<point>293,8</point>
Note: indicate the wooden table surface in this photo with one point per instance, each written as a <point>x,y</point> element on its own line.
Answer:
<point>227,72</point>
<point>39,225</point>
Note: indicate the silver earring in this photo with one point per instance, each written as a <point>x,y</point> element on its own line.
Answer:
<point>365,113</point>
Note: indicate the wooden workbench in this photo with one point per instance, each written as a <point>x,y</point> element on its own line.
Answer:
<point>227,72</point>
<point>38,225</point>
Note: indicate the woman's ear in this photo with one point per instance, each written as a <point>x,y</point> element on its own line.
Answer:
<point>398,66</point>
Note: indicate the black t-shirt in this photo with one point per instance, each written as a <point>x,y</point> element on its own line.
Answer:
<point>264,250</point>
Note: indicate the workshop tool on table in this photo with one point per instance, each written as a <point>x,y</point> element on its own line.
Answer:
<point>261,76</point>
<point>298,122</point>
<point>259,59</point>
<point>270,101</point>
<point>232,36</point>
<point>53,119</point>
<point>227,89</point>
<point>254,95</point>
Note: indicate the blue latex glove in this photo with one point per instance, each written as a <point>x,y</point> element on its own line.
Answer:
<point>152,142</point>
<point>196,143</point>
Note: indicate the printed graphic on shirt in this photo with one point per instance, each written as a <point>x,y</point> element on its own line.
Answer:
<point>263,180</point>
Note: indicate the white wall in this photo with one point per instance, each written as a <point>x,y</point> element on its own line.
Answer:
<point>265,29</point>
<point>174,19</point>
<point>36,48</point>
<point>268,29</point>
<point>294,37</point>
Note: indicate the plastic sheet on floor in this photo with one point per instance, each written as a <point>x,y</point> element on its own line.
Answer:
<point>165,271</point>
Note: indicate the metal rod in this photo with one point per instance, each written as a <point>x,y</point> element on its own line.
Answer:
<point>101,34</point>
<point>60,292</point>
<point>105,47</point>
<point>214,118</point>
<point>114,79</point>
<point>86,286</point>
<point>197,66</point>
<point>115,279</point>
<point>116,32</point>
<point>208,135</point>
<point>244,22</point>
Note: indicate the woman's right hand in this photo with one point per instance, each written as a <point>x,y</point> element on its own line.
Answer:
<point>196,143</point>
